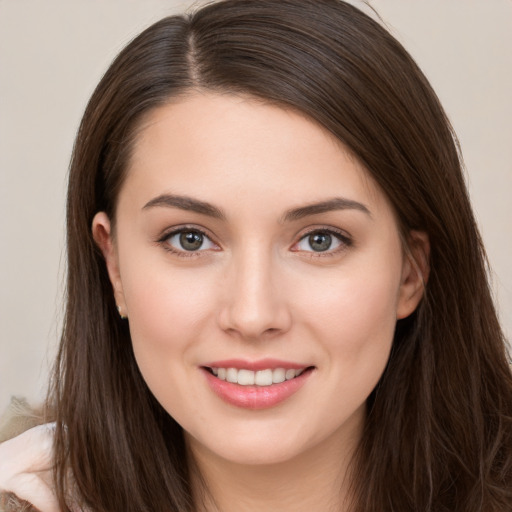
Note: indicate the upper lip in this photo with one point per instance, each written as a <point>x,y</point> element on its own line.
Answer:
<point>260,364</point>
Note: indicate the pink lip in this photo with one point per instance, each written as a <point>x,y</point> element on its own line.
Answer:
<point>254,397</point>
<point>262,364</point>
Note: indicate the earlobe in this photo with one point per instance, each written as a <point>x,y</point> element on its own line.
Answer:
<point>415,272</point>
<point>102,234</point>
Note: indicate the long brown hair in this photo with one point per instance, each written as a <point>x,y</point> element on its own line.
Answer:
<point>439,430</point>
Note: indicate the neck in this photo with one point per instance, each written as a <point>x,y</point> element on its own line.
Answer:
<point>317,479</point>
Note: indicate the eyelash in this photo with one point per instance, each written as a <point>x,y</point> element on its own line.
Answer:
<point>345,242</point>
<point>342,237</point>
<point>163,240</point>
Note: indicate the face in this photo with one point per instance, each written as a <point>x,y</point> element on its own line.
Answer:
<point>262,274</point>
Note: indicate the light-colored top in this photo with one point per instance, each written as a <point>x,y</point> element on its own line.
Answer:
<point>26,453</point>
<point>25,463</point>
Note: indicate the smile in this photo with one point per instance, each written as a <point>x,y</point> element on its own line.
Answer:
<point>256,385</point>
<point>265,377</point>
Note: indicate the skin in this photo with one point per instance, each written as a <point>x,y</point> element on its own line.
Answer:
<point>256,288</point>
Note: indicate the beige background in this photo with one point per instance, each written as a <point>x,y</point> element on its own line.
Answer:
<point>52,54</point>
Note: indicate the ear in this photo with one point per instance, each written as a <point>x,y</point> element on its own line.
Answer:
<point>102,234</point>
<point>415,272</point>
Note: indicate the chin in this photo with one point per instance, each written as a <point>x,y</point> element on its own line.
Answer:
<point>254,447</point>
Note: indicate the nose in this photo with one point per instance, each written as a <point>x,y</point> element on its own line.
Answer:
<point>255,305</point>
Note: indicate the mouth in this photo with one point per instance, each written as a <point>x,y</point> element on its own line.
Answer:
<point>262,378</point>
<point>260,385</point>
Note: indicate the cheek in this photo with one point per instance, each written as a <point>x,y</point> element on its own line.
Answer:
<point>360,299</point>
<point>353,319</point>
<point>353,326</point>
<point>368,307</point>
<point>167,310</point>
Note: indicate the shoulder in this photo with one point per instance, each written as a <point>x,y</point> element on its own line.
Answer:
<point>25,460</point>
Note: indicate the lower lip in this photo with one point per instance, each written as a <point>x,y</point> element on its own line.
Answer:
<point>255,397</point>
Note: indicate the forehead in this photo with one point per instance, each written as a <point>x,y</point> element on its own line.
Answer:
<point>219,144</point>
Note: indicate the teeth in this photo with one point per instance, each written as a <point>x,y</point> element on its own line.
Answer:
<point>278,375</point>
<point>289,374</point>
<point>258,378</point>
<point>232,375</point>
<point>263,378</point>
<point>245,377</point>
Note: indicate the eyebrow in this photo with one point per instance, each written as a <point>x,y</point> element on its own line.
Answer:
<point>336,203</point>
<point>195,205</point>
<point>185,203</point>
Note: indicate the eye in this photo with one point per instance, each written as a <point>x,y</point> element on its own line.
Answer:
<point>322,241</point>
<point>189,240</point>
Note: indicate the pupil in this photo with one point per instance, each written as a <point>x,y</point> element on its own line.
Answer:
<point>320,241</point>
<point>191,240</point>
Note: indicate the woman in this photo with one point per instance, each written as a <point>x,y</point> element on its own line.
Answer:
<point>277,294</point>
